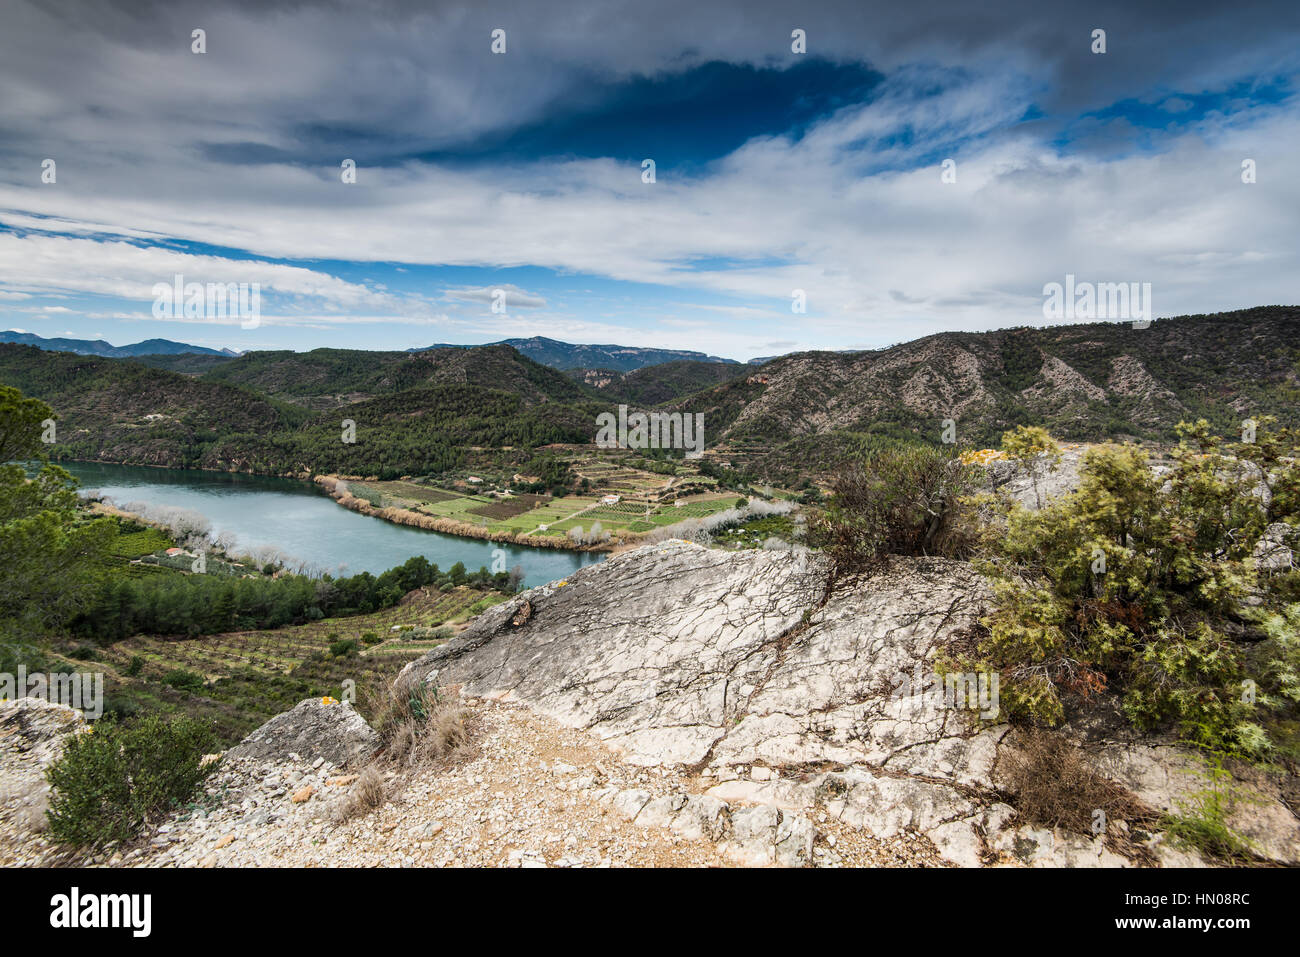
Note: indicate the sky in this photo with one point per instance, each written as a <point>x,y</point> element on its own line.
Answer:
<point>502,194</point>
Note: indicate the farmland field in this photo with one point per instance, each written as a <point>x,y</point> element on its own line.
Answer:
<point>240,679</point>
<point>645,503</point>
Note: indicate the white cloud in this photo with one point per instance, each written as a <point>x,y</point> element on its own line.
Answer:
<point>42,265</point>
<point>884,252</point>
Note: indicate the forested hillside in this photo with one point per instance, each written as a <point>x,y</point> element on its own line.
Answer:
<point>1082,382</point>
<point>796,416</point>
<point>116,411</point>
<point>656,384</point>
<point>327,378</point>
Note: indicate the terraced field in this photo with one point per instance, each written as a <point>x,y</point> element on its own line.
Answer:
<point>141,550</point>
<point>239,679</point>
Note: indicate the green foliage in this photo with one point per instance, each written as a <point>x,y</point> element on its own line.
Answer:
<point>207,604</point>
<point>1134,582</point>
<point>424,410</point>
<point>51,555</point>
<point>108,783</point>
<point>1035,450</point>
<point>1283,651</point>
<point>183,680</point>
<point>552,472</point>
<point>1021,361</point>
<point>341,649</point>
<point>372,496</point>
<point>666,381</point>
<point>1201,821</point>
<point>753,532</point>
<point>20,425</point>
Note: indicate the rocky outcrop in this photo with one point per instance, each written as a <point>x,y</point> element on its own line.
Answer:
<point>1275,550</point>
<point>821,706</point>
<point>316,728</point>
<point>1054,479</point>
<point>659,655</point>
<point>33,733</point>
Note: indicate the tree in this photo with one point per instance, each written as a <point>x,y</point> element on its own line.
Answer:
<point>905,500</point>
<point>21,421</point>
<point>516,579</point>
<point>51,557</point>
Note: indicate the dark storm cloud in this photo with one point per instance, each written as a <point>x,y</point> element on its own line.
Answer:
<point>308,76</point>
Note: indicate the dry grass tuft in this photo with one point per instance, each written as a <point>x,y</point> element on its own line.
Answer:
<point>420,727</point>
<point>368,793</point>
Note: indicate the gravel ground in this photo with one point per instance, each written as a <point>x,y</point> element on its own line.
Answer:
<point>527,793</point>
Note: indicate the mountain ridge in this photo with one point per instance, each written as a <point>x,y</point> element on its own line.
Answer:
<point>1083,382</point>
<point>99,347</point>
<point>785,422</point>
<point>568,355</point>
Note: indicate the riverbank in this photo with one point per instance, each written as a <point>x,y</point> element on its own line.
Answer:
<point>297,523</point>
<point>336,488</point>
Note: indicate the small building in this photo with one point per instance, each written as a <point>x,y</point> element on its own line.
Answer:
<point>609,500</point>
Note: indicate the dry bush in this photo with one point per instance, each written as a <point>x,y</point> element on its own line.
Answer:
<point>419,727</point>
<point>909,500</point>
<point>1054,785</point>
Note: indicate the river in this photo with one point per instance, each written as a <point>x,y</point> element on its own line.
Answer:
<point>305,524</point>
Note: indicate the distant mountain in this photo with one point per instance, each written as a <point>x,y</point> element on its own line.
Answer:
<point>568,355</point>
<point>548,352</point>
<point>98,347</point>
<point>327,378</point>
<point>658,383</point>
<point>792,418</point>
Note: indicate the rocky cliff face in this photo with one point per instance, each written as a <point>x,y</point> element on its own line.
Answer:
<point>742,670</point>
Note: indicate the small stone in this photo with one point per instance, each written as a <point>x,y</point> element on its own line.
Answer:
<point>303,794</point>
